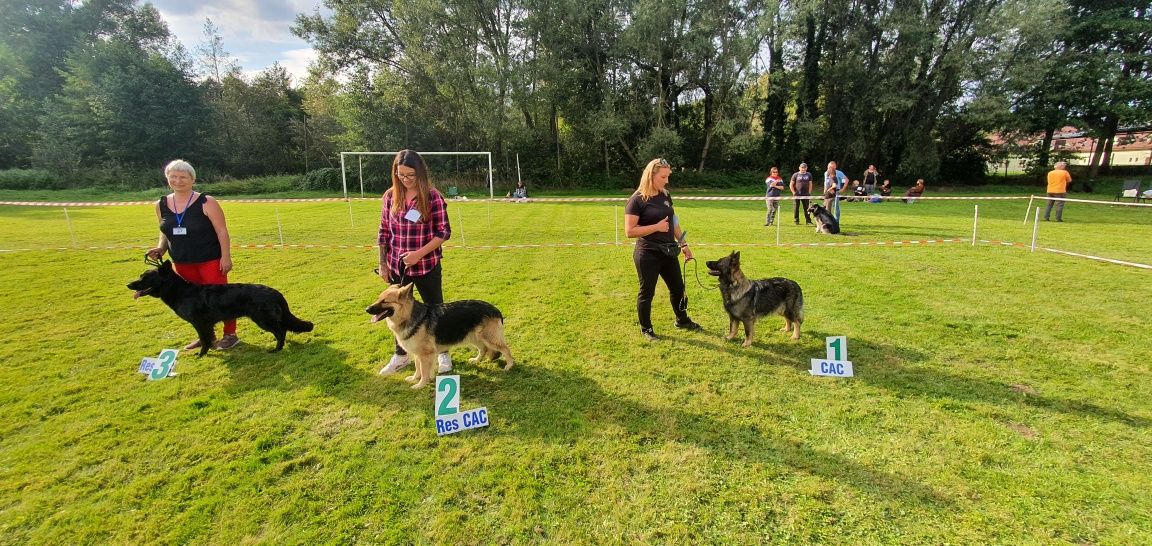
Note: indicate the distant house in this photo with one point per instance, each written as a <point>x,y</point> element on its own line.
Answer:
<point>1130,148</point>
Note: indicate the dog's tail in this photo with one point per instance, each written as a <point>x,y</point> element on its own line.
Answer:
<point>294,324</point>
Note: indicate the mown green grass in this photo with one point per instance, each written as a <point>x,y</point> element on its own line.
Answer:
<point>1000,395</point>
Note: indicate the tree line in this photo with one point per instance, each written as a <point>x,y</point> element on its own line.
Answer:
<point>583,90</point>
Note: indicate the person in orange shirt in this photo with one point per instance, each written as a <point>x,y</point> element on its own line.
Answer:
<point>1058,181</point>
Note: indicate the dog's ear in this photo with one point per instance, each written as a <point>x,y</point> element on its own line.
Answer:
<point>736,257</point>
<point>406,290</point>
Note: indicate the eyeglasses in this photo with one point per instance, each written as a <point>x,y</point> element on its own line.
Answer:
<point>405,176</point>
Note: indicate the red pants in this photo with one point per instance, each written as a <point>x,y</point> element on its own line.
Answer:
<point>206,273</point>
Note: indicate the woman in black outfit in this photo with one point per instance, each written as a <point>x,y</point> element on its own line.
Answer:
<point>649,217</point>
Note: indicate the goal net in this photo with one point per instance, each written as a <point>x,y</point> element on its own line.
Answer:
<point>452,172</point>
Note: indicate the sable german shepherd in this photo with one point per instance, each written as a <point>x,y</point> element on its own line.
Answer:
<point>746,301</point>
<point>205,305</point>
<point>825,221</point>
<point>427,330</point>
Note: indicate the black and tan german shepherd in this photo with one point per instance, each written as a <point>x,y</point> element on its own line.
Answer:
<point>746,301</point>
<point>205,305</point>
<point>427,330</point>
<point>825,221</point>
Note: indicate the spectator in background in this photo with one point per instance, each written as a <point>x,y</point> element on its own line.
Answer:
<point>915,192</point>
<point>859,192</point>
<point>801,186</point>
<point>871,177</point>
<point>886,188</point>
<point>834,181</point>
<point>520,194</point>
<point>1058,181</point>
<point>775,188</point>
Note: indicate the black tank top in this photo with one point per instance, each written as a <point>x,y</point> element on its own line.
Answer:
<point>199,243</point>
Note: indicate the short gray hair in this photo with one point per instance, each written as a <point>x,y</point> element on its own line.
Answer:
<point>181,166</point>
<point>1061,164</point>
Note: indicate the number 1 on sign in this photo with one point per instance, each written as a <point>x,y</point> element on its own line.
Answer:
<point>837,347</point>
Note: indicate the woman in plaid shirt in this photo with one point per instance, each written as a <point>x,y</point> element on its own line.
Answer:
<point>412,228</point>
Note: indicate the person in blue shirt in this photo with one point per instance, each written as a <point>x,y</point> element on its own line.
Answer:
<point>834,178</point>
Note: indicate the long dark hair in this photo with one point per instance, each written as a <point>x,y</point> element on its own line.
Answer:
<point>409,158</point>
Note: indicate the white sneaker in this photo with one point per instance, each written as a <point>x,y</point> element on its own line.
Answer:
<point>445,362</point>
<point>397,363</point>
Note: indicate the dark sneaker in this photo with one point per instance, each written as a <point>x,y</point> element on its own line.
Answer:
<point>227,342</point>
<point>194,345</point>
<point>687,325</point>
<point>649,334</point>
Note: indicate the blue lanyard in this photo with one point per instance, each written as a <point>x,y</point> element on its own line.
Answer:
<point>180,216</point>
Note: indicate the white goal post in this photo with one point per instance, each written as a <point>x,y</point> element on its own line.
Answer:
<point>344,171</point>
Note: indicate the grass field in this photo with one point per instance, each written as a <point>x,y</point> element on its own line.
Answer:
<point>1001,395</point>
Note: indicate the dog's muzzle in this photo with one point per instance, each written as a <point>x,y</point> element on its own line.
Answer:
<point>138,293</point>
<point>379,313</point>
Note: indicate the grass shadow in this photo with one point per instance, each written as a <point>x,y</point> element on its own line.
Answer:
<point>565,406</point>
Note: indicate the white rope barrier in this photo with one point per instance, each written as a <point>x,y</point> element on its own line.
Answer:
<point>1117,203</point>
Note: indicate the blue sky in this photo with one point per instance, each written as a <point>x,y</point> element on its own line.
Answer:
<point>256,32</point>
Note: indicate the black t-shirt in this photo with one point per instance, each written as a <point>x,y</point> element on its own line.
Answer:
<point>803,183</point>
<point>870,177</point>
<point>199,243</point>
<point>650,212</point>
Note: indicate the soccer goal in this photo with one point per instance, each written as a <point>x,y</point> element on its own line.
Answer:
<point>344,156</point>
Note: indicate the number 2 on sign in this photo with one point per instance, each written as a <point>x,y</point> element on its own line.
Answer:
<point>837,347</point>
<point>446,405</point>
<point>166,360</point>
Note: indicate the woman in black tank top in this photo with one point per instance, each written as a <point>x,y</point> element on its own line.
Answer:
<point>193,231</point>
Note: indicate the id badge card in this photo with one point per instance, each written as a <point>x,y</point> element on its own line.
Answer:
<point>179,230</point>
<point>412,215</point>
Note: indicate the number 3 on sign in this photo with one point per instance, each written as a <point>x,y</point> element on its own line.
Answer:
<point>837,347</point>
<point>164,365</point>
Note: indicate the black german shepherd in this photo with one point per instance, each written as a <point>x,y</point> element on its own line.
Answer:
<point>746,301</point>
<point>205,305</point>
<point>825,221</point>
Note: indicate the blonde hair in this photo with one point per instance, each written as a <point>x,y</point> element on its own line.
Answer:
<point>409,158</point>
<point>645,189</point>
<point>179,165</point>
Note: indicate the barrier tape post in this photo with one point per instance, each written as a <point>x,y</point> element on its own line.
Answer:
<point>460,218</point>
<point>351,222</point>
<point>70,230</point>
<point>975,218</point>
<point>1035,228</point>
<point>778,222</point>
<point>1028,209</point>
<point>279,227</point>
<point>616,221</point>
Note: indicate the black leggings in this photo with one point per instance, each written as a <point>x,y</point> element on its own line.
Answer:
<point>431,288</point>
<point>650,265</point>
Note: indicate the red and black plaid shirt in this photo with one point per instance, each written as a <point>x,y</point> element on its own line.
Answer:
<point>398,235</point>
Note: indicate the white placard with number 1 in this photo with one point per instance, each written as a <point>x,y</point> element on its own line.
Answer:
<point>836,364</point>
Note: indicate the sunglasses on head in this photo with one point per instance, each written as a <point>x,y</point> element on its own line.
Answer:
<point>662,162</point>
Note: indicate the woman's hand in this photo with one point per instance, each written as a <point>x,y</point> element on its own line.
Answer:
<point>410,258</point>
<point>225,264</point>
<point>661,226</point>
<point>156,253</point>
<point>687,252</point>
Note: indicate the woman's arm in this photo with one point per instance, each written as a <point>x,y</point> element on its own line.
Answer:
<point>162,243</point>
<point>214,213</point>
<point>632,230</point>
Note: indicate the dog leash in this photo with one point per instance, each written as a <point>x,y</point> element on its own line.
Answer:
<point>696,273</point>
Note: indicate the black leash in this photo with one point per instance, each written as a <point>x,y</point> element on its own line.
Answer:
<point>696,272</point>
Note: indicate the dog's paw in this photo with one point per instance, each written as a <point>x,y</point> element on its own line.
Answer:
<point>411,378</point>
<point>747,343</point>
<point>419,385</point>
<point>474,360</point>
<point>729,337</point>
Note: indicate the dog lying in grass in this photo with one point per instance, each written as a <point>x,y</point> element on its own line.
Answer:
<point>205,305</point>
<point>746,301</point>
<point>427,330</point>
